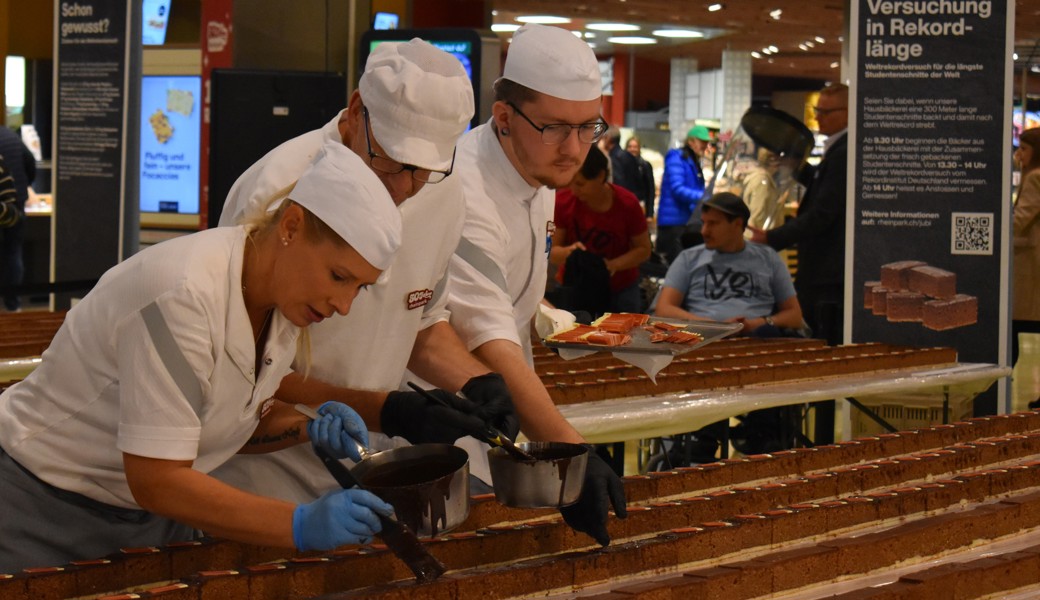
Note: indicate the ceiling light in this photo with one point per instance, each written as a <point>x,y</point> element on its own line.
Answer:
<point>577,34</point>
<point>803,47</point>
<point>766,51</point>
<point>774,48</point>
<point>776,13</point>
<point>592,44</point>
<point>820,39</point>
<point>504,27</point>
<point>834,65</point>
<point>756,54</point>
<point>631,39</point>
<point>543,19</point>
<point>715,7</point>
<point>1014,56</point>
<point>810,44</point>
<point>590,35</point>
<point>1035,68</point>
<point>678,33</point>
<point>612,27</point>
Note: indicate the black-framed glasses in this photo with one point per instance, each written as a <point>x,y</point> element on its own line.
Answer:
<point>556,133</point>
<point>392,167</point>
<point>826,111</point>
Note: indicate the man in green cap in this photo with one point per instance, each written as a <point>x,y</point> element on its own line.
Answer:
<point>682,187</point>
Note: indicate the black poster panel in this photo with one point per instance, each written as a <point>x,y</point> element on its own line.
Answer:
<point>930,190</point>
<point>91,82</point>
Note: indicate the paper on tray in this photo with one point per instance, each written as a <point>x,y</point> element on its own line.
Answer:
<point>651,364</point>
<point>548,320</point>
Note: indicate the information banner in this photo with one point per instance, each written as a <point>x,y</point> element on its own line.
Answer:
<point>91,39</point>
<point>929,219</point>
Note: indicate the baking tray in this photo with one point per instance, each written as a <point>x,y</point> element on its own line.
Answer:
<point>711,331</point>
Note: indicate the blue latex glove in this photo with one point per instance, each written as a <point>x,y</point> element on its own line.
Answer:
<point>337,429</point>
<point>338,518</point>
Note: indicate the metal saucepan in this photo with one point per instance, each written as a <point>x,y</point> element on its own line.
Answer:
<point>427,484</point>
<point>554,479</point>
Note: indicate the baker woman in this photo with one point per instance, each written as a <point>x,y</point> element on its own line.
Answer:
<point>167,368</point>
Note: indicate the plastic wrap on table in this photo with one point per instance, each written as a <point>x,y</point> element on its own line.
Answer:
<point>642,417</point>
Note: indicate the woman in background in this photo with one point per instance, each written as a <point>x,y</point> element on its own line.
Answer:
<point>1026,310</point>
<point>607,221</point>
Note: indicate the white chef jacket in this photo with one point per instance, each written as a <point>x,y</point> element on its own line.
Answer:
<point>369,348</point>
<point>508,225</point>
<point>156,361</point>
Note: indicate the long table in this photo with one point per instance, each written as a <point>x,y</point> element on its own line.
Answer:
<point>643,417</point>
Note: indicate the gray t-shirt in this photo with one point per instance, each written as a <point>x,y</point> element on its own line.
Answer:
<point>720,285</point>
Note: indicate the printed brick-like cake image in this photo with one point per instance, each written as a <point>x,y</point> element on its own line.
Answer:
<point>932,281</point>
<point>912,291</point>
<point>868,293</point>
<point>904,306</point>
<point>878,304</point>
<point>894,276</point>
<point>959,311</point>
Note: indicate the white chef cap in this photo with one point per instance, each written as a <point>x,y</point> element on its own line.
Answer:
<point>420,101</point>
<point>340,189</point>
<point>553,61</point>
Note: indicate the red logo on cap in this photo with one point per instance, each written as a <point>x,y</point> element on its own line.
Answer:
<point>418,298</point>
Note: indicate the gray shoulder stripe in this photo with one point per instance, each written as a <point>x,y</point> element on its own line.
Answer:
<point>438,291</point>
<point>469,252</point>
<point>172,357</point>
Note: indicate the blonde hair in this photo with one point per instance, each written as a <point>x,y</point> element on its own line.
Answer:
<point>262,222</point>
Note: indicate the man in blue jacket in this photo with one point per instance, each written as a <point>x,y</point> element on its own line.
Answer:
<point>682,187</point>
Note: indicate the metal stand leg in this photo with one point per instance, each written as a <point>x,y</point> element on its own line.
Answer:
<point>873,415</point>
<point>824,433</point>
<point>946,404</point>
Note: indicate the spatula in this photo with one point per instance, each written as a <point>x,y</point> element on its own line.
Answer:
<point>397,536</point>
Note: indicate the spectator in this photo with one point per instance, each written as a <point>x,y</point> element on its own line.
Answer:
<point>682,188</point>
<point>818,230</point>
<point>21,167</point>
<point>730,279</point>
<point>623,168</point>
<point>1026,311</point>
<point>761,193</point>
<point>646,189</point>
<point>605,220</point>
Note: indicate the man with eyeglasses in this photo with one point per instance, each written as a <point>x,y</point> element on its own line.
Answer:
<point>412,103</point>
<point>546,116</point>
<point>818,230</point>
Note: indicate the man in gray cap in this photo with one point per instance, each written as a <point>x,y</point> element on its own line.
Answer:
<point>413,102</point>
<point>729,279</point>
<point>546,116</point>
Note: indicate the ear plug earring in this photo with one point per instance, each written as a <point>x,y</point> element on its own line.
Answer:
<point>505,132</point>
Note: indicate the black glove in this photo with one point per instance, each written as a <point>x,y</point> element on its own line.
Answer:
<point>420,421</point>
<point>589,513</point>
<point>494,403</point>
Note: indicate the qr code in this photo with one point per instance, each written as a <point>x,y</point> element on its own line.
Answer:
<point>972,233</point>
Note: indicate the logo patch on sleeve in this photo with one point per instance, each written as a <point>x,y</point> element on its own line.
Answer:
<point>418,298</point>
<point>265,407</point>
